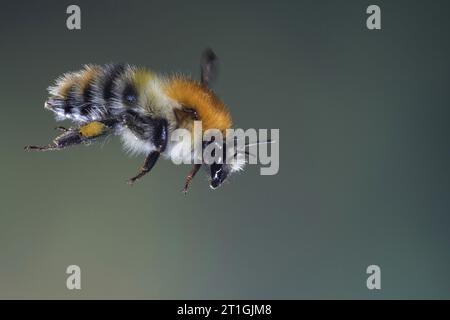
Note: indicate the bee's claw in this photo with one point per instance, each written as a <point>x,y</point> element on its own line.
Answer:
<point>186,185</point>
<point>190,176</point>
<point>148,165</point>
<point>36,148</point>
<point>131,181</point>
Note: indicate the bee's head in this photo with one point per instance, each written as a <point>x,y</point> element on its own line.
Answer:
<point>220,170</point>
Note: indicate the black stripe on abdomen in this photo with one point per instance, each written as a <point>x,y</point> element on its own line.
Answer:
<point>88,96</point>
<point>110,74</point>
<point>88,93</point>
<point>70,102</point>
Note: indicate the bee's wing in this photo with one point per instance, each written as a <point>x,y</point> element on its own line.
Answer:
<point>209,65</point>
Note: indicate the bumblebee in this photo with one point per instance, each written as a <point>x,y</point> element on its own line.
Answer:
<point>143,109</point>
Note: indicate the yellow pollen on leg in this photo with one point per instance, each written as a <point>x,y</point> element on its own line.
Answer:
<point>92,129</point>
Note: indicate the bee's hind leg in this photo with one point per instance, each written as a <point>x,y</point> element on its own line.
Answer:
<point>73,136</point>
<point>61,128</point>
<point>66,139</point>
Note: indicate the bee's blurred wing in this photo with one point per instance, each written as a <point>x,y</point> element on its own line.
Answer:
<point>209,65</point>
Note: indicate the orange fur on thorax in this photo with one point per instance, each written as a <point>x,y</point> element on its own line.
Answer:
<point>210,110</point>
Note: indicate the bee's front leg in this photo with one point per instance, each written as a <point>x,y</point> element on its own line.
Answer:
<point>191,176</point>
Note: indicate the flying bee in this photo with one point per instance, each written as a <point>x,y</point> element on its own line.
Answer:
<point>143,109</point>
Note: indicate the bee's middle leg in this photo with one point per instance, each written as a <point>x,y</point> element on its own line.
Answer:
<point>159,139</point>
<point>148,165</point>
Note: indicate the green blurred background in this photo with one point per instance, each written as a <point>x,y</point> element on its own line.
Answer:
<point>364,173</point>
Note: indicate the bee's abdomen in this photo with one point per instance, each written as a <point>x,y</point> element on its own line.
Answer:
<point>86,95</point>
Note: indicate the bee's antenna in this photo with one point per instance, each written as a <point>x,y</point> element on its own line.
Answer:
<point>247,152</point>
<point>259,142</point>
